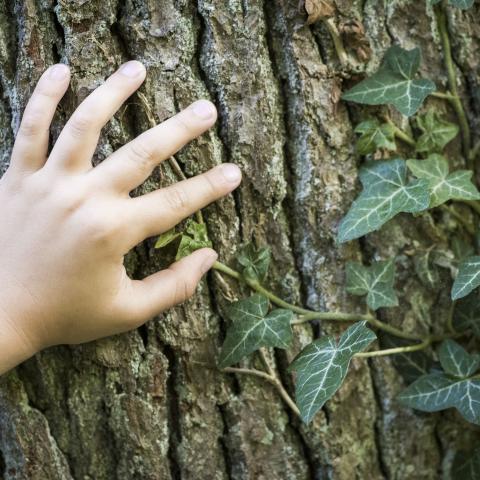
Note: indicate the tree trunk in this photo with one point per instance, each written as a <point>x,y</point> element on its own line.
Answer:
<point>145,404</point>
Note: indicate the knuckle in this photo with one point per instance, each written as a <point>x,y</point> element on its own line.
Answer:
<point>142,155</point>
<point>184,289</point>
<point>79,125</point>
<point>177,199</point>
<point>211,186</point>
<point>46,89</point>
<point>182,123</point>
<point>31,124</point>
<point>101,229</point>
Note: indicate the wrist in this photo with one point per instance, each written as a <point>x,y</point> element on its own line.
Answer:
<point>15,345</point>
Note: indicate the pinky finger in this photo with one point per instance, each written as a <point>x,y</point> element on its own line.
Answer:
<point>167,288</point>
<point>31,144</point>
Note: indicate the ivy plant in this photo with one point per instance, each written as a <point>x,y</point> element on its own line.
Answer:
<point>395,83</point>
<point>422,175</point>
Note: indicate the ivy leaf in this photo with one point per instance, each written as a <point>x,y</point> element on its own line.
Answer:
<point>462,4</point>
<point>425,270</point>
<point>252,328</point>
<point>444,186</point>
<point>394,83</point>
<point>255,262</point>
<point>437,391</point>
<point>194,237</point>
<point>466,315</point>
<point>165,238</point>
<point>468,278</point>
<point>436,132</point>
<point>321,367</point>
<point>376,282</point>
<point>466,465</point>
<point>456,361</point>
<point>386,193</point>
<point>374,136</point>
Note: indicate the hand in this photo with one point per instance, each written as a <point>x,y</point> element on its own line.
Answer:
<point>65,226</point>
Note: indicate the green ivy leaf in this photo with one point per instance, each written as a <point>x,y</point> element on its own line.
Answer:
<point>255,261</point>
<point>462,4</point>
<point>386,193</point>
<point>321,367</point>
<point>394,83</point>
<point>466,465</point>
<point>466,315</point>
<point>252,329</point>
<point>442,185</point>
<point>436,132</point>
<point>425,270</point>
<point>374,136</point>
<point>165,238</point>
<point>376,282</point>
<point>456,361</point>
<point>194,237</point>
<point>437,391</point>
<point>468,278</point>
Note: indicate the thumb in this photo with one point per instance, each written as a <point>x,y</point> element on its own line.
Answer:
<point>162,290</point>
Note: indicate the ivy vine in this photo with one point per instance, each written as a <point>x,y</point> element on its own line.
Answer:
<point>390,186</point>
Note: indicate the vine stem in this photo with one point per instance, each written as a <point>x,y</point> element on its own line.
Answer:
<point>393,351</point>
<point>308,315</point>
<point>337,40</point>
<point>452,82</point>
<point>269,375</point>
<point>278,383</point>
<point>443,95</point>
<point>399,133</point>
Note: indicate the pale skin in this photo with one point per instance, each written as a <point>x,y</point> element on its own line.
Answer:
<point>66,226</point>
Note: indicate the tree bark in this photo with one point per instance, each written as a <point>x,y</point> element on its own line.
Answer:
<point>143,405</point>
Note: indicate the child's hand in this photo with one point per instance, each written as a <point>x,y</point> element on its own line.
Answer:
<point>65,226</point>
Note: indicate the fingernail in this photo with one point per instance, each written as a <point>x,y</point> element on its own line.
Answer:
<point>132,69</point>
<point>204,109</point>
<point>231,172</point>
<point>58,72</point>
<point>209,261</point>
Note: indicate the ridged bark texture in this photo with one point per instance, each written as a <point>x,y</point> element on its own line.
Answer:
<point>139,405</point>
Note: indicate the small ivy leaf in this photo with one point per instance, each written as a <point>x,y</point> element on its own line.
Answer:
<point>394,83</point>
<point>165,238</point>
<point>411,365</point>
<point>436,132</point>
<point>425,270</point>
<point>462,4</point>
<point>468,278</point>
<point>321,367</point>
<point>466,465</point>
<point>386,193</point>
<point>444,186</point>
<point>466,315</point>
<point>255,262</point>
<point>194,237</point>
<point>252,329</point>
<point>456,361</point>
<point>374,136</point>
<point>376,282</point>
<point>437,391</point>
